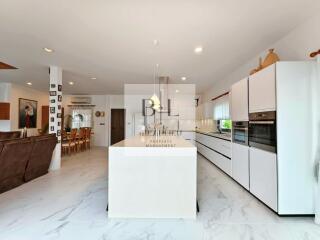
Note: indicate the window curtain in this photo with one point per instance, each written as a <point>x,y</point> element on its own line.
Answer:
<point>221,109</point>
<point>82,117</point>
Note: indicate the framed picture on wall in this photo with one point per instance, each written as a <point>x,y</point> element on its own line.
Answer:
<point>27,113</point>
<point>53,93</point>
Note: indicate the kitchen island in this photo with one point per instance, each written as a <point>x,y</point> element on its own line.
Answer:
<point>152,177</point>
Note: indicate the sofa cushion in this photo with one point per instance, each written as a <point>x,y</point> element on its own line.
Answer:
<point>40,158</point>
<point>10,135</point>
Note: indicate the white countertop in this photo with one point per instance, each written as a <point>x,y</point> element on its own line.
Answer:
<point>152,141</point>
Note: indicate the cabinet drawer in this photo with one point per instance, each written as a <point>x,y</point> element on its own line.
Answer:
<point>219,145</point>
<point>220,161</point>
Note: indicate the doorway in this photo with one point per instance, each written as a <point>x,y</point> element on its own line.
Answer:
<point>117,125</point>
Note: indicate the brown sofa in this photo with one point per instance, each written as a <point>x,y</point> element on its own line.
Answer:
<point>22,160</point>
<point>40,158</point>
<point>10,135</point>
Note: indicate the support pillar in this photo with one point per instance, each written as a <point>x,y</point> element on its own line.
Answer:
<point>55,113</point>
<point>316,99</point>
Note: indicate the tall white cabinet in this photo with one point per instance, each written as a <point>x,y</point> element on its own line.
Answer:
<point>285,181</point>
<point>262,90</point>
<point>296,181</point>
<point>263,177</point>
<point>239,112</point>
<point>239,101</point>
<point>240,164</point>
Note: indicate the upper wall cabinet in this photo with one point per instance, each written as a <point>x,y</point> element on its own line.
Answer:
<point>262,90</point>
<point>239,101</point>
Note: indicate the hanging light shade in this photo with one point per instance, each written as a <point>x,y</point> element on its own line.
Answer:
<point>156,102</point>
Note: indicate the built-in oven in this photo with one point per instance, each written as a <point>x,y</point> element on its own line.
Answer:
<point>263,131</point>
<point>240,132</point>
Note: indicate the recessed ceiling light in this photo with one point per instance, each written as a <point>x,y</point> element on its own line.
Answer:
<point>71,83</point>
<point>29,83</point>
<point>198,50</point>
<point>183,78</point>
<point>155,42</point>
<point>93,78</point>
<point>177,91</point>
<point>48,50</point>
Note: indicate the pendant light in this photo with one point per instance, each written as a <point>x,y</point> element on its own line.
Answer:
<point>155,100</point>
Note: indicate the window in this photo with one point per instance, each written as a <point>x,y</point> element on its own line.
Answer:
<point>82,117</point>
<point>221,108</point>
<point>225,124</point>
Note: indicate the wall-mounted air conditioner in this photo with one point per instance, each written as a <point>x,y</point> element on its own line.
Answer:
<point>81,100</point>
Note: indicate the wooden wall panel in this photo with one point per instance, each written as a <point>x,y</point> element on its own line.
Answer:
<point>4,111</point>
<point>45,116</point>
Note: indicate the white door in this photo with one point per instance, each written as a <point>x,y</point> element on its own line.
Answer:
<point>240,164</point>
<point>239,101</point>
<point>262,90</point>
<point>263,177</point>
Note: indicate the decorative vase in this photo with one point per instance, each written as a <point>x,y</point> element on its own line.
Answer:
<point>270,59</point>
<point>258,68</point>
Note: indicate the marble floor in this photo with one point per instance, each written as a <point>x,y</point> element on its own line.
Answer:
<point>70,204</point>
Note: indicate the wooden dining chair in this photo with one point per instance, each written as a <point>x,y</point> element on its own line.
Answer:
<point>70,142</point>
<point>88,138</point>
<point>81,140</point>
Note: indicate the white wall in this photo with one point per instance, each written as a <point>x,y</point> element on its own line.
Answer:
<point>11,93</point>
<point>296,45</point>
<point>116,101</point>
<point>100,136</point>
<point>17,92</point>
<point>101,125</point>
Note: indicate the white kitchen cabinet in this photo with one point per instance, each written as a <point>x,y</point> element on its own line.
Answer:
<point>295,131</point>
<point>263,176</point>
<point>262,90</point>
<point>239,101</point>
<point>220,161</point>
<point>218,151</point>
<point>219,145</point>
<point>240,164</point>
<point>189,136</point>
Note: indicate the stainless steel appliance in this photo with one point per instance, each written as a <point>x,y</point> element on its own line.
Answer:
<point>240,132</point>
<point>263,131</point>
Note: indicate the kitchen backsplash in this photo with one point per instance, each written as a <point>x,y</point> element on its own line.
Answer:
<point>206,125</point>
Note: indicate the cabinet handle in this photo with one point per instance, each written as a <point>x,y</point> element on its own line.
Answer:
<point>261,122</point>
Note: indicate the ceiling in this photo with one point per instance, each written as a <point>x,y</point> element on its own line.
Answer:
<point>112,40</point>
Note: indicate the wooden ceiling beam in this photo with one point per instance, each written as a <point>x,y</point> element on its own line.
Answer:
<point>6,66</point>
